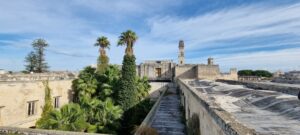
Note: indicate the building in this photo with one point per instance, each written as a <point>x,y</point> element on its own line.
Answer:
<point>167,70</point>
<point>292,77</point>
<point>2,72</point>
<point>157,70</point>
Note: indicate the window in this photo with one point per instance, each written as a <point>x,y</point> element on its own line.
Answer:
<point>158,72</point>
<point>56,102</point>
<point>31,108</point>
<point>0,114</point>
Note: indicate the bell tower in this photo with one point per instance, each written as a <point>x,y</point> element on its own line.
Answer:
<point>181,53</point>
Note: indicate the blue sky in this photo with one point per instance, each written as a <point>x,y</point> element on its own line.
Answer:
<point>247,34</point>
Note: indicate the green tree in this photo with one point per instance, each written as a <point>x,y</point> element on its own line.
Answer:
<point>105,118</point>
<point>259,73</point>
<point>128,38</point>
<point>69,118</point>
<point>31,61</point>
<point>103,59</point>
<point>262,73</point>
<point>143,87</point>
<point>39,46</point>
<point>127,94</point>
<point>48,107</point>
<point>86,84</point>
<point>245,73</point>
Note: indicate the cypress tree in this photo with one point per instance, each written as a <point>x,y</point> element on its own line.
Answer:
<point>48,107</point>
<point>127,96</point>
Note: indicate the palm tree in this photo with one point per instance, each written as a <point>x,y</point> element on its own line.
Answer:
<point>69,118</point>
<point>103,60</point>
<point>103,43</point>
<point>128,38</point>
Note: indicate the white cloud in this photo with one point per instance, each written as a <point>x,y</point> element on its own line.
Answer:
<point>229,24</point>
<point>71,35</point>
<point>215,29</point>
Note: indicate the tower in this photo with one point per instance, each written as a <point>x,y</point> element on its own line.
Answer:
<point>181,53</point>
<point>210,61</point>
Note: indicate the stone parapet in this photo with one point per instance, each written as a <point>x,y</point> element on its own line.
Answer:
<point>211,115</point>
<point>27,131</point>
<point>37,76</point>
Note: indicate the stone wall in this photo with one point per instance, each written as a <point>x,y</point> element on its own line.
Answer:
<point>208,71</point>
<point>187,71</point>
<point>149,69</point>
<point>26,131</point>
<point>37,76</point>
<point>16,95</point>
<point>157,88</point>
<point>213,120</point>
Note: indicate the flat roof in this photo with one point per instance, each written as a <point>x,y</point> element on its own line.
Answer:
<point>267,112</point>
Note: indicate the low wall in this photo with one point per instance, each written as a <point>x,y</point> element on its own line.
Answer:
<point>278,87</point>
<point>212,120</point>
<point>149,118</point>
<point>157,88</point>
<point>26,131</point>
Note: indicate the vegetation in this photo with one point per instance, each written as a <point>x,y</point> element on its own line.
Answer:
<point>39,47</point>
<point>103,59</point>
<point>35,61</point>
<point>193,125</point>
<point>31,61</point>
<point>145,130</point>
<point>106,100</point>
<point>259,73</point>
<point>69,118</point>
<point>127,94</point>
<point>48,107</point>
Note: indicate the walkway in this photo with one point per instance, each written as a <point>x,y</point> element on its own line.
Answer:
<point>168,118</point>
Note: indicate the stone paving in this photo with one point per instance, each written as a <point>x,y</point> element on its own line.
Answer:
<point>168,118</point>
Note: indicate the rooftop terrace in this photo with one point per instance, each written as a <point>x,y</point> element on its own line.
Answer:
<point>267,112</point>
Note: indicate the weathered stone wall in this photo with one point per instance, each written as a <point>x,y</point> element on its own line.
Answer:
<point>157,88</point>
<point>149,69</point>
<point>16,95</point>
<point>37,76</point>
<point>213,120</point>
<point>187,71</point>
<point>26,131</point>
<point>208,71</point>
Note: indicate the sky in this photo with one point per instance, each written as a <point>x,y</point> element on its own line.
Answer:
<point>246,34</point>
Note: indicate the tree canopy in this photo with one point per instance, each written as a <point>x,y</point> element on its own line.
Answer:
<point>128,38</point>
<point>259,73</point>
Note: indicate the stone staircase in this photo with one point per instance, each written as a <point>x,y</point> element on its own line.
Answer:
<point>167,120</point>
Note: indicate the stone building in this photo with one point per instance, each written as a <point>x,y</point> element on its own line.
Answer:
<point>167,70</point>
<point>157,70</point>
<point>21,102</point>
<point>292,77</point>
